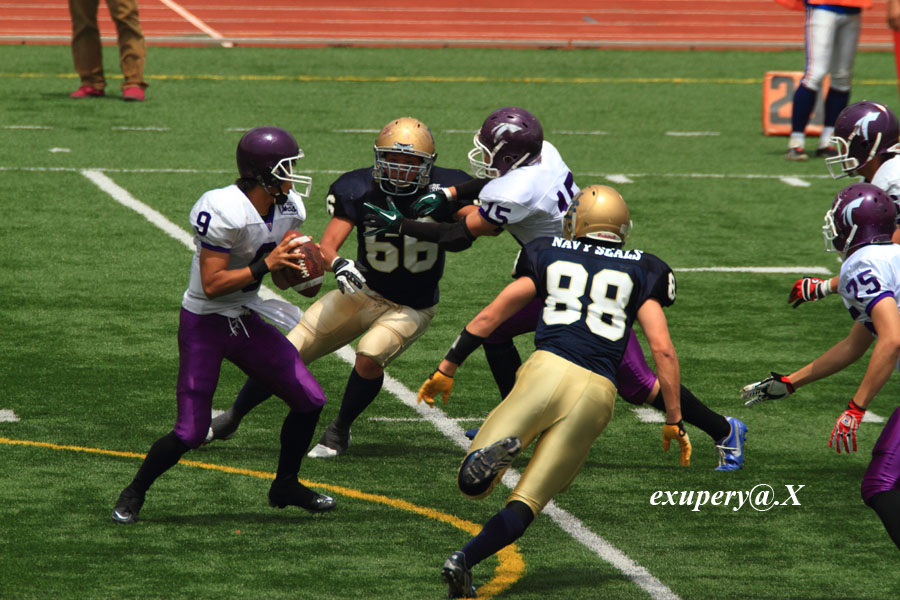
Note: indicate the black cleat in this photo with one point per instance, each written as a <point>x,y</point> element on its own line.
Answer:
<point>458,577</point>
<point>297,494</point>
<point>333,443</point>
<point>127,507</point>
<point>484,464</point>
<point>826,152</point>
<point>222,427</point>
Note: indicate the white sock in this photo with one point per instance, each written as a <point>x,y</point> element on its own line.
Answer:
<point>827,132</point>
<point>798,140</point>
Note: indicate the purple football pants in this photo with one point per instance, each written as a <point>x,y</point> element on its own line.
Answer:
<point>256,347</point>
<point>634,378</point>
<point>883,473</point>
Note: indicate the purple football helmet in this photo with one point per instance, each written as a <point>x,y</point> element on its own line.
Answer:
<point>509,138</point>
<point>861,214</point>
<point>267,155</point>
<point>862,131</point>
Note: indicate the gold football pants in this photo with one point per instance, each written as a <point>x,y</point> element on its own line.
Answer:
<point>565,407</point>
<point>336,319</point>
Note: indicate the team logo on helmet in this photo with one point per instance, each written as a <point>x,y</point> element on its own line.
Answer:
<point>504,128</point>
<point>847,213</point>
<point>862,126</point>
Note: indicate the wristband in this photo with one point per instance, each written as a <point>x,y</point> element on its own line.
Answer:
<point>258,269</point>
<point>464,345</point>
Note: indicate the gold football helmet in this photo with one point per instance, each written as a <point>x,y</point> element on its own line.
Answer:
<point>404,155</point>
<point>597,212</point>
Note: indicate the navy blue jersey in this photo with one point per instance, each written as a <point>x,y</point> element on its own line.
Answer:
<point>591,297</point>
<point>400,268</point>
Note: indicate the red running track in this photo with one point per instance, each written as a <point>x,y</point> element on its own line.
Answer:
<point>744,24</point>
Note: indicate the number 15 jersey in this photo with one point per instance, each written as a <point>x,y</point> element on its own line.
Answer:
<point>591,297</point>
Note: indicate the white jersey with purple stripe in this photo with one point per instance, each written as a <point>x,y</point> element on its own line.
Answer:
<point>530,201</point>
<point>867,276</point>
<point>888,179</point>
<point>224,220</point>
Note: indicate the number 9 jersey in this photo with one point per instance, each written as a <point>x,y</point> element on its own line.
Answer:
<point>591,295</point>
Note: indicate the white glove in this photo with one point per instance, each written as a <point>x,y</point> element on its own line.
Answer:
<point>348,277</point>
<point>771,388</point>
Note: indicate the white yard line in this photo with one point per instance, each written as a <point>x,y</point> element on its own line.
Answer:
<point>196,22</point>
<point>8,416</point>
<point>568,522</point>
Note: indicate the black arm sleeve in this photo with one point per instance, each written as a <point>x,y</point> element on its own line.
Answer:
<point>452,237</point>
<point>469,190</point>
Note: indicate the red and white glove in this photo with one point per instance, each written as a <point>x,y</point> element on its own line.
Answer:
<point>846,426</point>
<point>809,289</point>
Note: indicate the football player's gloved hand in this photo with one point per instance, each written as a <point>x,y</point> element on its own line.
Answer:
<point>771,388</point>
<point>676,432</point>
<point>436,385</point>
<point>384,220</point>
<point>429,203</point>
<point>348,277</point>
<point>809,289</point>
<point>846,426</point>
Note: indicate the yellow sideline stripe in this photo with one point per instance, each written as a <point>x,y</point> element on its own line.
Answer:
<point>510,569</point>
<point>434,79</point>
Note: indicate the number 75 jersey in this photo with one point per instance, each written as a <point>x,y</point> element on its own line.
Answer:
<point>591,296</point>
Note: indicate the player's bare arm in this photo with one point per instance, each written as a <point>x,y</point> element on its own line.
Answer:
<point>844,353</point>
<point>336,232</point>
<point>219,280</point>
<point>885,354</point>
<point>507,303</point>
<point>653,321</point>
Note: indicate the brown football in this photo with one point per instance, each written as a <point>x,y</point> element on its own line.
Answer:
<point>308,280</point>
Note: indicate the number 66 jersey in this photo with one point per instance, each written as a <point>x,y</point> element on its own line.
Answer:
<point>591,295</point>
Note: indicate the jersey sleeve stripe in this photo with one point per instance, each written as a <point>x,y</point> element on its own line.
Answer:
<point>215,248</point>
<point>877,299</point>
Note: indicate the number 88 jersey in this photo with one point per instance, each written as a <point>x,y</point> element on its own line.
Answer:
<point>591,297</point>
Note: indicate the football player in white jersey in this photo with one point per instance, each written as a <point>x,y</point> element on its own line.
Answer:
<point>387,297</point>
<point>859,225</point>
<point>867,139</point>
<point>524,186</point>
<point>238,234</point>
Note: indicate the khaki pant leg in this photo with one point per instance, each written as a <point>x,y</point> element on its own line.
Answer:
<point>394,331</point>
<point>132,47</point>
<point>562,404</point>
<point>332,322</point>
<point>87,52</point>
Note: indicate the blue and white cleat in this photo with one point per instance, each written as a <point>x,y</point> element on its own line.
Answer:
<point>731,448</point>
